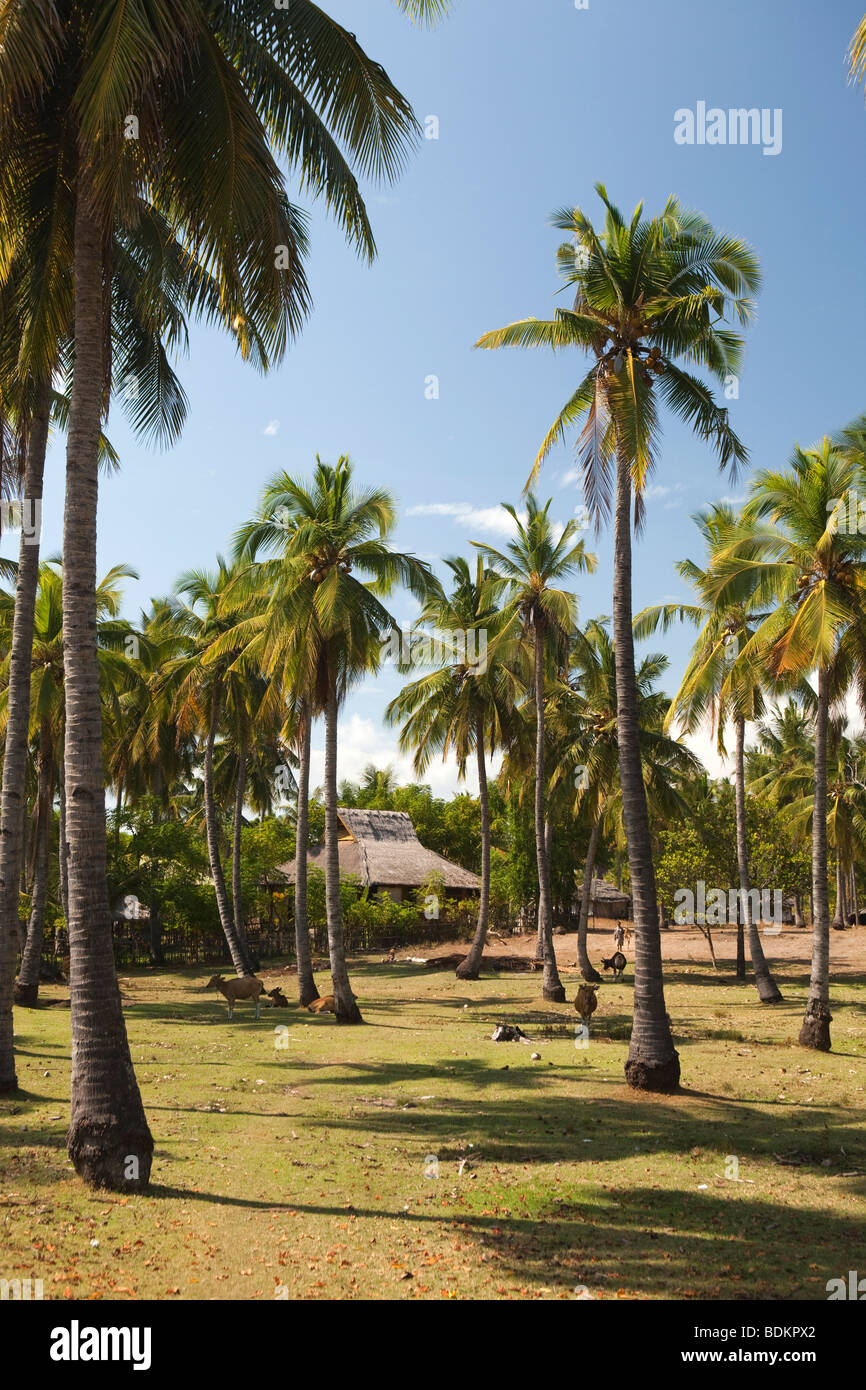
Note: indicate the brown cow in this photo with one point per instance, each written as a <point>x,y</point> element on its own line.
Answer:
<point>324,1006</point>
<point>586,1002</point>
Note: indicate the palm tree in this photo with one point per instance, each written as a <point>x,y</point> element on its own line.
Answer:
<point>713,686</point>
<point>583,713</point>
<point>324,628</point>
<point>37,329</point>
<point>15,750</point>
<point>307,989</point>
<point>648,292</point>
<point>209,694</point>
<point>464,706</point>
<point>782,759</point>
<point>46,727</point>
<point>259,643</point>
<point>534,562</point>
<point>377,783</point>
<point>247,763</point>
<point>794,552</point>
<point>264,83</point>
<point>792,784</point>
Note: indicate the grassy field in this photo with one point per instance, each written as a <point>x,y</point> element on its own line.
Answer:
<point>297,1161</point>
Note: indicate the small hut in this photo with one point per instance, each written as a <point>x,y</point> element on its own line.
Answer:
<point>606,900</point>
<point>382,851</point>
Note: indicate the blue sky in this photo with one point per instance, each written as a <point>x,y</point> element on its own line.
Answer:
<point>535,103</point>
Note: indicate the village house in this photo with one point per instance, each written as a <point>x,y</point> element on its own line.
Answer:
<point>382,851</point>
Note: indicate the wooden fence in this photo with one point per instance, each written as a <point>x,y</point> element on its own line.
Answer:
<point>184,946</point>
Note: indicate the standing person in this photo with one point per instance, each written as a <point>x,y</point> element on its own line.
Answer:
<point>618,936</point>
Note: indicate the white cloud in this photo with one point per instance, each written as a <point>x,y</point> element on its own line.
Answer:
<point>271,428</point>
<point>703,745</point>
<point>361,741</point>
<point>493,520</point>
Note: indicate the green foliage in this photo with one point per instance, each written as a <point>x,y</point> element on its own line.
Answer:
<point>778,858</point>
<point>264,845</point>
<point>706,848</point>
<point>163,862</point>
<point>380,911</point>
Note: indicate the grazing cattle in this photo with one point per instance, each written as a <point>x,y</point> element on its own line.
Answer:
<point>322,1006</point>
<point>617,963</point>
<point>508,1032</point>
<point>325,1006</point>
<point>586,1002</point>
<point>245,987</point>
<point>277,998</point>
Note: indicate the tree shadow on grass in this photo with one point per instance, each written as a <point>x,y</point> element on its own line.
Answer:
<point>549,1127</point>
<point>678,1244</point>
<point>680,1229</point>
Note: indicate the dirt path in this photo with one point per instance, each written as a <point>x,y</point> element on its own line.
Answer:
<point>793,946</point>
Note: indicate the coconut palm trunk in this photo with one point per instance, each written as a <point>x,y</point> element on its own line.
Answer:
<point>768,990</point>
<point>653,1063</point>
<point>62,848</point>
<point>470,967</point>
<point>307,990</point>
<point>27,984</point>
<point>14,795</point>
<point>237,827</point>
<point>838,919</point>
<point>108,1141</point>
<point>345,1008</point>
<point>539,920</point>
<point>552,987</point>
<point>740,968</point>
<point>815,1031</point>
<point>587,969</point>
<point>240,959</point>
<point>799,919</point>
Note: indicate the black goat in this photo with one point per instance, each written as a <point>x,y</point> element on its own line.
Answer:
<point>617,963</point>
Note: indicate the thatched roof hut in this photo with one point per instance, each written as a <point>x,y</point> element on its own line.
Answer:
<point>382,850</point>
<point>606,900</point>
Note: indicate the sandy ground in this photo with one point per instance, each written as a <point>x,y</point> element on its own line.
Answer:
<point>847,948</point>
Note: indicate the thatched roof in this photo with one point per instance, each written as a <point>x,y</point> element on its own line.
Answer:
<point>602,891</point>
<point>381,849</point>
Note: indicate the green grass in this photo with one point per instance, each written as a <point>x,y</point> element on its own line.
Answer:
<point>305,1167</point>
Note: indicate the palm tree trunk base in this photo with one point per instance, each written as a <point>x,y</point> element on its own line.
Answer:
<point>554,994</point>
<point>769,992</point>
<point>741,952</point>
<point>590,974</point>
<point>307,993</point>
<point>105,1156</point>
<point>470,968</point>
<point>27,996</point>
<point>815,1032</point>
<point>661,1077</point>
<point>350,1014</point>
